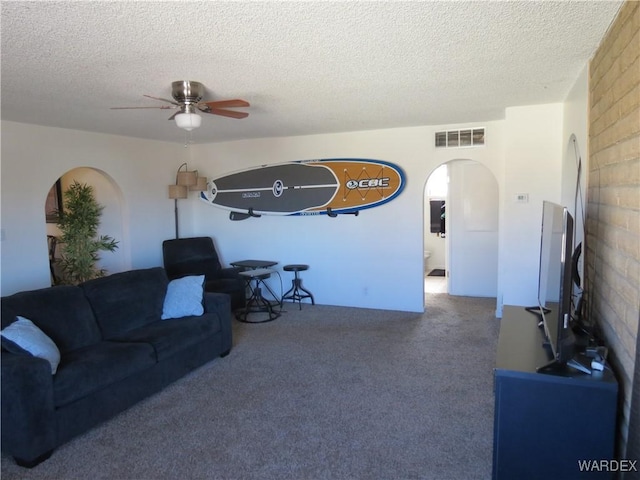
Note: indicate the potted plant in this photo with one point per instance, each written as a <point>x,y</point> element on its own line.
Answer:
<point>78,224</point>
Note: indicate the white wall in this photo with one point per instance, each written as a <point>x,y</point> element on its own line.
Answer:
<point>34,157</point>
<point>576,147</point>
<point>373,260</point>
<point>533,166</point>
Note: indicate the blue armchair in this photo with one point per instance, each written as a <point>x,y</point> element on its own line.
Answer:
<point>198,256</point>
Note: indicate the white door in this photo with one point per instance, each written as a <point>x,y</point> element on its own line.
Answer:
<point>472,229</point>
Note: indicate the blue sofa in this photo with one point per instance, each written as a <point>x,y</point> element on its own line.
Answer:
<point>114,351</point>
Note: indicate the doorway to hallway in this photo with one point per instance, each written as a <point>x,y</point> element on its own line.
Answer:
<point>466,246</point>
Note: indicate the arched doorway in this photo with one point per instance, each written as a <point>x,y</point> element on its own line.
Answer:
<point>435,245</point>
<point>470,242</point>
<point>108,194</point>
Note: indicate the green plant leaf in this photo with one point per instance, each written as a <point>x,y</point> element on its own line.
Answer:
<point>79,226</point>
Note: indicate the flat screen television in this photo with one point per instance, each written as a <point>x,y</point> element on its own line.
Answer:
<point>555,287</point>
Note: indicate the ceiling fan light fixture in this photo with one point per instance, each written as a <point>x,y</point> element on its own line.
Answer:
<point>188,121</point>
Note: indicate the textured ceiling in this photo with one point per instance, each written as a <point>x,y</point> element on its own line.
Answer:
<point>305,67</point>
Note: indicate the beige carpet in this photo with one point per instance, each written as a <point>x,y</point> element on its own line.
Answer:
<point>322,393</point>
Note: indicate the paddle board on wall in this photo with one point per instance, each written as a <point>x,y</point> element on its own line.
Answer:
<point>307,187</point>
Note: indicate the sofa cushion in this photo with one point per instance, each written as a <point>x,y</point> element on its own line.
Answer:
<point>128,300</point>
<point>62,313</point>
<point>184,297</point>
<point>23,337</point>
<point>171,336</point>
<point>93,368</point>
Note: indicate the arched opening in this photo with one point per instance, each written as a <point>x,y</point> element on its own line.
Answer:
<point>435,246</point>
<point>108,194</point>
<point>469,242</point>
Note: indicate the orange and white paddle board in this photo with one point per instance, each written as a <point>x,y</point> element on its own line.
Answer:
<point>307,187</point>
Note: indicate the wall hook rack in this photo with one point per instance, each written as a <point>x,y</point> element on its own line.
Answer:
<point>333,214</point>
<point>236,216</point>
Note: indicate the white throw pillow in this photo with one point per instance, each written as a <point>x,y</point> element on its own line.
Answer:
<point>28,337</point>
<point>184,297</point>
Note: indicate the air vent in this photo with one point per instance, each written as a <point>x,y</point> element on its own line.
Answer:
<point>469,137</point>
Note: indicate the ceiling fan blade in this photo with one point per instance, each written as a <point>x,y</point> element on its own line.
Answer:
<point>162,107</point>
<point>173,116</point>
<point>163,100</point>
<point>226,113</point>
<point>226,103</point>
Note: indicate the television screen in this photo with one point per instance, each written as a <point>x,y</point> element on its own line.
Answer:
<point>554,282</point>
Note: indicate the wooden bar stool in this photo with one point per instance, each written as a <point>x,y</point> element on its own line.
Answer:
<point>294,293</point>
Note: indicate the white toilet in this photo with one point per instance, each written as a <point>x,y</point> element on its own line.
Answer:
<point>427,255</point>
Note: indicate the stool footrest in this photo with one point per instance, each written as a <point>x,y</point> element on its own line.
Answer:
<point>295,295</point>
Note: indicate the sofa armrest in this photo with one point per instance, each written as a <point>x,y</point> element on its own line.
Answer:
<point>217,302</point>
<point>28,415</point>
<point>220,304</point>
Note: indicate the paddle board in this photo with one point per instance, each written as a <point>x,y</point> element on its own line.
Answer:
<point>306,187</point>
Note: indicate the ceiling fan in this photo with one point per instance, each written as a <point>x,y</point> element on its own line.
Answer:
<point>187,96</point>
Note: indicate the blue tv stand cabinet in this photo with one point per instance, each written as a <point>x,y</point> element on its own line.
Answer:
<point>544,424</point>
